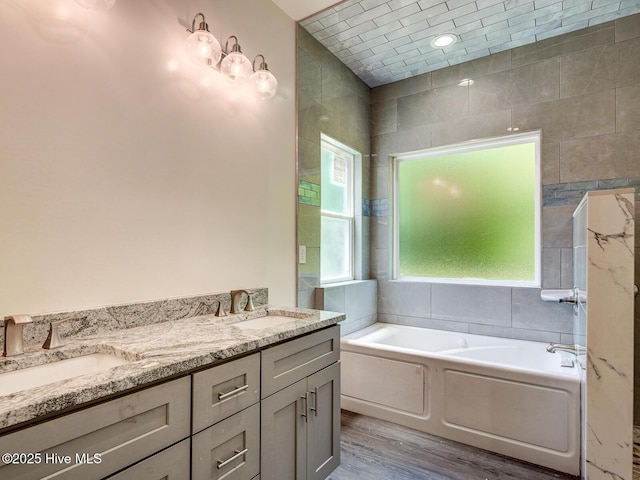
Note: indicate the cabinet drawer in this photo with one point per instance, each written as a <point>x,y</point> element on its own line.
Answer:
<point>121,432</point>
<point>289,362</point>
<point>222,391</point>
<point>230,449</point>
<point>170,464</point>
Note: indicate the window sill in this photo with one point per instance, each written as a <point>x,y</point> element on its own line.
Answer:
<point>343,283</point>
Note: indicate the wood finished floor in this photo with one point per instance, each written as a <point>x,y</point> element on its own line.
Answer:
<point>376,450</point>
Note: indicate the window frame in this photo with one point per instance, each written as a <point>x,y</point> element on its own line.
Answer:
<point>328,143</point>
<point>465,147</point>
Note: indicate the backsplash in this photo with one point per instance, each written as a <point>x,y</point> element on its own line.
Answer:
<point>379,207</point>
<point>118,317</point>
<point>308,193</point>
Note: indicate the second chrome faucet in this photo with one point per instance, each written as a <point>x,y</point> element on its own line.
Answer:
<point>53,339</point>
<point>13,335</point>
<point>13,342</point>
<point>236,296</point>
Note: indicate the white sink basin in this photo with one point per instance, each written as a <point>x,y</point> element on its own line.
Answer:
<point>32,377</point>
<point>265,322</point>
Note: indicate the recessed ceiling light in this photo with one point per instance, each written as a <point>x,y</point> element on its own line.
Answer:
<point>444,40</point>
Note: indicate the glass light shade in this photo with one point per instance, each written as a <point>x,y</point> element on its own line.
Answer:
<point>236,67</point>
<point>97,4</point>
<point>264,83</point>
<point>444,40</point>
<point>203,48</point>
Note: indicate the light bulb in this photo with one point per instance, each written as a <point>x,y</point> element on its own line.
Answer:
<point>203,48</point>
<point>236,67</point>
<point>444,40</point>
<point>264,83</point>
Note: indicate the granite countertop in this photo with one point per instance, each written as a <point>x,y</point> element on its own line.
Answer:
<point>156,352</point>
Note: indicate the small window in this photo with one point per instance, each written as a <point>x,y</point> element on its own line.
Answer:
<point>469,213</point>
<point>337,212</point>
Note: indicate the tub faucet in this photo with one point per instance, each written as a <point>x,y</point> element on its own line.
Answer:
<point>575,349</point>
<point>13,343</point>
<point>235,301</point>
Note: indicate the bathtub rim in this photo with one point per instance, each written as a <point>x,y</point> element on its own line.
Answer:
<point>353,342</point>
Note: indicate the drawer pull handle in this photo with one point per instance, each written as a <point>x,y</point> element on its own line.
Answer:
<point>232,393</point>
<point>238,454</point>
<point>305,408</point>
<point>314,409</point>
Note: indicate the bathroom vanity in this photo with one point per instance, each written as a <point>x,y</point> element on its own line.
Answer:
<point>241,397</point>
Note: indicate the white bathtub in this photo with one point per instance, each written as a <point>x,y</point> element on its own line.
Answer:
<point>506,396</point>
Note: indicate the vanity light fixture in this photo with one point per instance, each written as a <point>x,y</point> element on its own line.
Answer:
<point>235,66</point>
<point>97,4</point>
<point>444,40</point>
<point>205,50</point>
<point>202,47</point>
<point>263,81</point>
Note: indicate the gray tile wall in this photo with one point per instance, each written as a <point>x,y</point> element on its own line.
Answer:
<point>331,100</point>
<point>582,90</point>
<point>357,300</point>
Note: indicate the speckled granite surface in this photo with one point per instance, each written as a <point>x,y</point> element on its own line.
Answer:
<point>156,351</point>
<point>116,317</point>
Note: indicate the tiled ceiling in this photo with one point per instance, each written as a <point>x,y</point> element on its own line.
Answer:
<point>384,41</point>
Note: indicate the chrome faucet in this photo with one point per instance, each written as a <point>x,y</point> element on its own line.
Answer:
<point>575,349</point>
<point>53,339</point>
<point>220,312</point>
<point>13,342</point>
<point>236,295</point>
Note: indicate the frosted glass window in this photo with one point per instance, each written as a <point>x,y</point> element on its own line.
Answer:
<point>337,212</point>
<point>335,248</point>
<point>469,214</point>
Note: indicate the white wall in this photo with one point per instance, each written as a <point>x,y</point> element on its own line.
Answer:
<point>128,174</point>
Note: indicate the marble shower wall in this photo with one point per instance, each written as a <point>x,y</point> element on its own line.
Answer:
<point>333,101</point>
<point>604,250</point>
<point>582,90</point>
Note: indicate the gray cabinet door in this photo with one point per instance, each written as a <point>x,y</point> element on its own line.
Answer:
<point>230,449</point>
<point>323,426</point>
<point>174,463</point>
<point>284,432</point>
<point>100,440</point>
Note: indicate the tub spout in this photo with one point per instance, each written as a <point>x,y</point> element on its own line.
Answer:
<point>575,349</point>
